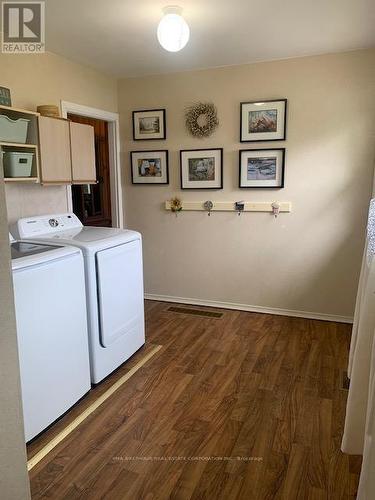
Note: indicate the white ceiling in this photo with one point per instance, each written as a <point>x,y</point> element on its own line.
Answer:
<point>119,36</point>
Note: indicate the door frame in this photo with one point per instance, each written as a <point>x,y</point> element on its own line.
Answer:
<point>113,120</point>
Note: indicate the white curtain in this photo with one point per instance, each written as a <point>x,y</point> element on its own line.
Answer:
<point>359,432</point>
<point>358,308</point>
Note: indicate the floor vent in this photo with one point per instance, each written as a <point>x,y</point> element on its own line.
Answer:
<point>345,381</point>
<point>195,312</point>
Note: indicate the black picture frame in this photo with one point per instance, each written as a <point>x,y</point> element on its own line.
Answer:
<point>164,183</point>
<point>5,97</point>
<point>264,101</point>
<point>221,169</point>
<point>282,178</point>
<point>135,116</point>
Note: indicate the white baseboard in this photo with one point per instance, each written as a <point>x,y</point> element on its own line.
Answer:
<point>250,308</point>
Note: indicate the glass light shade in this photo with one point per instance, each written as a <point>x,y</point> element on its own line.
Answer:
<point>173,32</point>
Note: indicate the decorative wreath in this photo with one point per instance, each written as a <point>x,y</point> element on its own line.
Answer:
<point>201,119</point>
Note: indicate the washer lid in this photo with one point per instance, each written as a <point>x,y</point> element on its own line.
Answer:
<point>25,254</point>
<point>90,234</point>
<point>92,238</point>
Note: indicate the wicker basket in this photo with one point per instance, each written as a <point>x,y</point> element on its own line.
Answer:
<point>49,110</point>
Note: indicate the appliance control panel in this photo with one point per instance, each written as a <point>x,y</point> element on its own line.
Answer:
<point>47,225</point>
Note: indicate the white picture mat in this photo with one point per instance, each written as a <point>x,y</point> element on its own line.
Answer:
<point>262,154</point>
<point>207,153</point>
<point>149,114</point>
<point>261,136</point>
<point>149,155</point>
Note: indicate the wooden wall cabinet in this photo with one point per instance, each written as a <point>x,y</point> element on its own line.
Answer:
<point>67,152</point>
<point>55,158</point>
<point>82,144</point>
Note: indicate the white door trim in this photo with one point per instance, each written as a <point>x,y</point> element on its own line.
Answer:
<point>114,155</point>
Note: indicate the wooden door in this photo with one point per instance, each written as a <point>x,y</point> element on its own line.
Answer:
<point>82,144</point>
<point>55,159</point>
<point>92,203</point>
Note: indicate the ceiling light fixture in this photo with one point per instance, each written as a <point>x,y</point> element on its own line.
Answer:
<point>173,31</point>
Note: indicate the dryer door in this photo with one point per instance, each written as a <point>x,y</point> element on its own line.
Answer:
<point>120,290</point>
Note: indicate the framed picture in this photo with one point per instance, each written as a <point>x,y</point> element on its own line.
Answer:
<point>149,125</point>
<point>262,168</point>
<point>263,121</point>
<point>201,168</point>
<point>149,167</point>
<point>5,99</point>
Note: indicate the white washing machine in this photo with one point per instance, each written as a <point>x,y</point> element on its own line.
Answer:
<point>50,305</point>
<point>114,284</point>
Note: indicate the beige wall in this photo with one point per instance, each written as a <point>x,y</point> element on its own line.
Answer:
<point>48,79</point>
<point>249,259</point>
<point>308,260</point>
<point>14,481</point>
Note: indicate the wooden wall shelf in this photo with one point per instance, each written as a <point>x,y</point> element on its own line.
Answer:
<point>32,180</point>
<point>229,206</point>
<point>18,110</point>
<point>17,145</point>
<point>32,141</point>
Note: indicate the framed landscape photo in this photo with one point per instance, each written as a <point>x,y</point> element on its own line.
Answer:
<point>201,168</point>
<point>149,167</point>
<point>262,168</point>
<point>149,125</point>
<point>263,121</point>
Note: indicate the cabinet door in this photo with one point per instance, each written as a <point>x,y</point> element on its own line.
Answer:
<point>82,142</point>
<point>54,138</point>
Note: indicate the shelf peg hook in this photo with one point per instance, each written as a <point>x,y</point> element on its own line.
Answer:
<point>240,206</point>
<point>208,205</point>
<point>275,209</point>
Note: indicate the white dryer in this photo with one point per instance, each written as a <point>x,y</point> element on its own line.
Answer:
<point>114,284</point>
<point>50,305</point>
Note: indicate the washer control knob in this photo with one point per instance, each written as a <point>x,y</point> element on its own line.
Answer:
<point>53,222</point>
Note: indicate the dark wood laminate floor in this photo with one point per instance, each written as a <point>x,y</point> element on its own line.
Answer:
<point>259,394</point>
